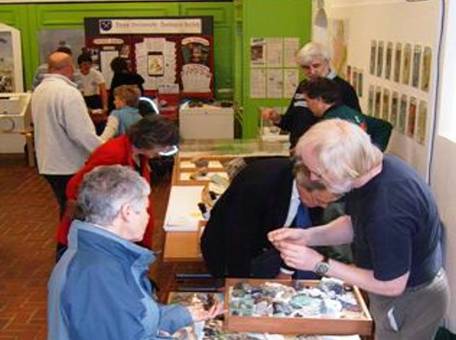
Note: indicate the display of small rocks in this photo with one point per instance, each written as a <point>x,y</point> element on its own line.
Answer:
<point>330,298</point>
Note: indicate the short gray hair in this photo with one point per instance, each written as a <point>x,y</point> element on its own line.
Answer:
<point>343,150</point>
<point>106,188</point>
<point>311,51</point>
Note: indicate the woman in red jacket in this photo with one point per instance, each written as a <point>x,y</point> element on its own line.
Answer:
<point>146,139</point>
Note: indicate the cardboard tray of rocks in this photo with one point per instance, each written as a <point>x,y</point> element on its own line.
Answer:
<point>359,322</point>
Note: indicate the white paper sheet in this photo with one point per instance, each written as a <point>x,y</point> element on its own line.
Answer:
<point>257,83</point>
<point>182,213</point>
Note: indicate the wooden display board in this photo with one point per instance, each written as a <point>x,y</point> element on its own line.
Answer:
<point>286,325</point>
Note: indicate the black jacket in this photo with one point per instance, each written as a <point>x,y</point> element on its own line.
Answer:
<point>256,202</point>
<point>298,118</point>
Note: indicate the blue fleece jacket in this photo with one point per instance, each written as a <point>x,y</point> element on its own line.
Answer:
<point>100,290</point>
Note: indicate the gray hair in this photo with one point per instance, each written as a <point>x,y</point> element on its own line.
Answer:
<point>310,52</point>
<point>106,188</point>
<point>343,150</point>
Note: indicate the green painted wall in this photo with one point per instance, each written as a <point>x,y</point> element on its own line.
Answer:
<point>234,24</point>
<point>264,18</point>
<point>30,19</point>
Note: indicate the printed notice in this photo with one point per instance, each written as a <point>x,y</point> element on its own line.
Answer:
<point>257,83</point>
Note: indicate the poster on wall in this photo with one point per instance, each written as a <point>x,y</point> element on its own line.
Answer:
<point>168,52</point>
<point>196,74</point>
<point>274,83</point>
<point>258,83</point>
<point>258,52</point>
<point>274,52</point>
<point>290,48</point>
<point>291,81</point>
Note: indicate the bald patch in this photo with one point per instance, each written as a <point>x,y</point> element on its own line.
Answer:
<point>58,60</point>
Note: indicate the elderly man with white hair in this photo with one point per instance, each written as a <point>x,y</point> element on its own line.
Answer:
<point>315,62</point>
<point>99,289</point>
<point>391,221</point>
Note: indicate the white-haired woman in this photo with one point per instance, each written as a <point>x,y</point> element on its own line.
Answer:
<point>314,60</point>
<point>391,221</point>
<point>99,289</point>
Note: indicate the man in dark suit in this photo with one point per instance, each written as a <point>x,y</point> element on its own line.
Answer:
<point>262,197</point>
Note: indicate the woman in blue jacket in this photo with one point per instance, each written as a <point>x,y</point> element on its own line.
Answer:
<point>99,289</point>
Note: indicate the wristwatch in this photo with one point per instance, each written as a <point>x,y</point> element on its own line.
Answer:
<point>321,268</point>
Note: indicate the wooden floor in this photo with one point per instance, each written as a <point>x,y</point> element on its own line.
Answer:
<point>28,219</point>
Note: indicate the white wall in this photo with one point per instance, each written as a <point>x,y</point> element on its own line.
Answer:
<point>443,166</point>
<point>417,22</point>
<point>396,21</point>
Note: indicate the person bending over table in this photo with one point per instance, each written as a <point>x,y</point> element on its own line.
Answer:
<point>315,62</point>
<point>323,100</point>
<point>144,140</point>
<point>392,222</point>
<point>263,196</point>
<point>99,289</point>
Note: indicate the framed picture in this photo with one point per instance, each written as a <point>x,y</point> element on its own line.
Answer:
<point>370,101</point>
<point>422,121</point>
<point>394,108</point>
<point>360,83</point>
<point>411,117</point>
<point>402,114</point>
<point>380,49</point>
<point>397,62</point>
<point>389,60</point>
<point>426,69</point>
<point>386,104</point>
<point>378,101</point>
<point>407,64</point>
<point>373,56</point>
<point>416,66</point>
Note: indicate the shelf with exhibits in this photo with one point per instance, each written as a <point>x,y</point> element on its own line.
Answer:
<point>307,307</point>
<point>214,329</point>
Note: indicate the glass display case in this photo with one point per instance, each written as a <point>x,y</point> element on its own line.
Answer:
<point>10,60</point>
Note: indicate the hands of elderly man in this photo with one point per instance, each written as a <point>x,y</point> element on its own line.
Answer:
<point>198,313</point>
<point>268,113</point>
<point>299,256</point>
<point>288,235</point>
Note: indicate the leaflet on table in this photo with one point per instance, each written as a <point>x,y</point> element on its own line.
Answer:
<point>182,213</point>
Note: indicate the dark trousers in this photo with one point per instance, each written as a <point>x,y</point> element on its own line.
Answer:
<point>58,184</point>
